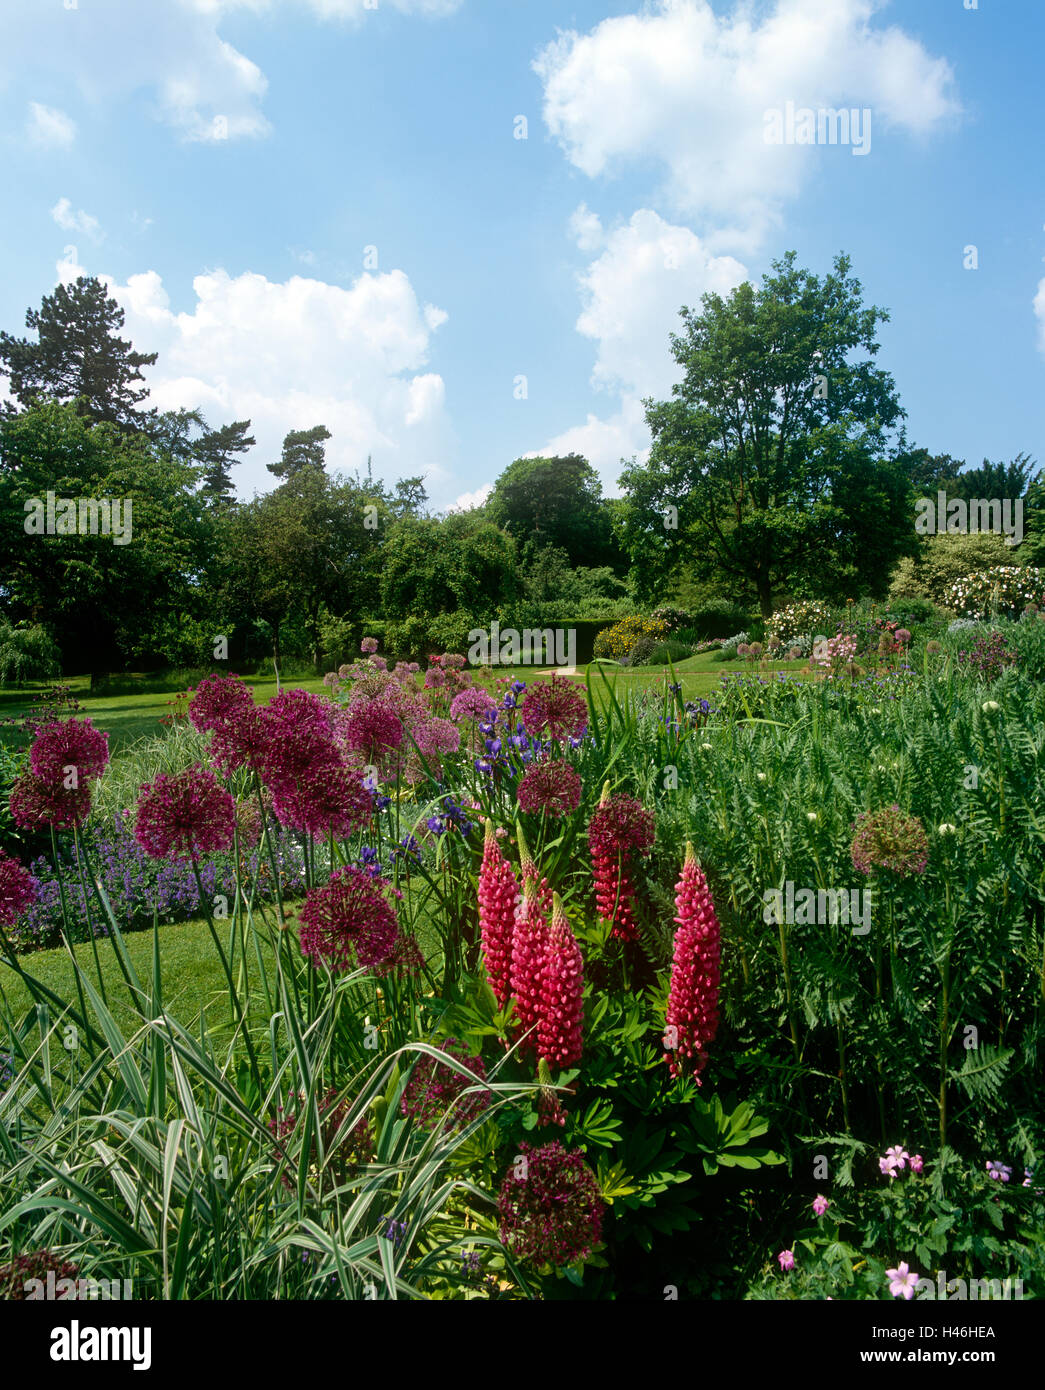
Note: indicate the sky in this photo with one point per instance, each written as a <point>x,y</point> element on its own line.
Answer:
<point>459,232</point>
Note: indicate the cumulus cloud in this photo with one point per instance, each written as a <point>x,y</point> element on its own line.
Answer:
<point>468,500</point>
<point>686,90</point>
<point>48,127</point>
<point>79,221</point>
<point>292,355</point>
<point>196,81</point>
<point>630,297</point>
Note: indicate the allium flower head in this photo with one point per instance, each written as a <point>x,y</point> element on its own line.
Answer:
<point>241,740</point>
<point>561,1006</point>
<point>556,708</point>
<point>184,816</point>
<point>372,728</point>
<point>38,1264</point>
<point>434,1087</point>
<point>473,703</point>
<point>17,890</point>
<point>498,899</point>
<point>368,645</point>
<point>348,920</point>
<point>889,839</point>
<point>217,700</point>
<point>550,1206</point>
<point>692,1013</point>
<point>355,1147</point>
<point>66,743</point>
<point>300,738</point>
<point>435,736</point>
<point>326,800</point>
<point>35,803</point>
<point>552,787</point>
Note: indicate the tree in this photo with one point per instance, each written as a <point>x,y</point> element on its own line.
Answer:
<point>302,449</point>
<point>458,563</point>
<point>555,501</point>
<point>78,357</point>
<point>772,466</point>
<point>303,549</point>
<point>410,497</point>
<point>217,452</point>
<point>104,600</point>
<point>931,472</point>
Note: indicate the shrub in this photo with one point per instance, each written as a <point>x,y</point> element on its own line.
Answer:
<point>663,652</point>
<point>620,640</point>
<point>943,561</point>
<point>718,619</point>
<point>801,616</point>
<point>27,654</point>
<point>728,649</point>
<point>1004,591</point>
<point>675,618</point>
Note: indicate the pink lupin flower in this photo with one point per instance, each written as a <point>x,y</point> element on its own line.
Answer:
<point>529,941</point>
<point>692,1014</point>
<point>498,899</point>
<point>619,827</point>
<point>531,872</point>
<point>559,1039</point>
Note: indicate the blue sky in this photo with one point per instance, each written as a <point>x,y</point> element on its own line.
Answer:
<point>225,164</point>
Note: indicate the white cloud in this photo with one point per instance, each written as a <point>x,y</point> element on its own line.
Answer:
<point>295,354</point>
<point>468,500</point>
<point>71,221</point>
<point>679,87</point>
<point>631,295</point>
<point>586,229</point>
<point>49,127</point>
<point>109,51</point>
<point>1039,311</point>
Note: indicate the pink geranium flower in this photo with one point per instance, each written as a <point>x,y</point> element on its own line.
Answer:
<point>902,1281</point>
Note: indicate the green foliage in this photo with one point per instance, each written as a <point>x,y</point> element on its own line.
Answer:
<point>26,654</point>
<point>943,560</point>
<point>555,502</point>
<point>775,450</point>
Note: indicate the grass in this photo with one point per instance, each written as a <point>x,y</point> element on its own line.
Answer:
<point>193,979</point>
<point>126,718</point>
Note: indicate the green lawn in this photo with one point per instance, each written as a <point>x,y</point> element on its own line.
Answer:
<point>191,973</point>
<point>129,717</point>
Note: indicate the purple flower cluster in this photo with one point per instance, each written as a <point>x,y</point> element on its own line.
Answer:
<point>550,1206</point>
<point>434,1087</point>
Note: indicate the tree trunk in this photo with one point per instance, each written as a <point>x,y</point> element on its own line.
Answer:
<point>765,595</point>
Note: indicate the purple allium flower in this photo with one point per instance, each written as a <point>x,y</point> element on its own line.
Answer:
<point>348,917</point>
<point>889,839</point>
<point>35,803</point>
<point>37,1265</point>
<point>556,708</point>
<point>356,1146</point>
<point>902,1281</point>
<point>368,646</point>
<point>241,740</point>
<point>373,728</point>
<point>300,738</point>
<point>17,890</point>
<point>217,701</point>
<point>326,800</point>
<point>184,816</point>
<point>550,1206</point>
<point>435,678</point>
<point>820,1205</point>
<point>552,787</point>
<point>68,743</point>
<point>787,1259</point>
<point>902,636</point>
<point>473,703</point>
<point>435,736</point>
<point>434,1087</point>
